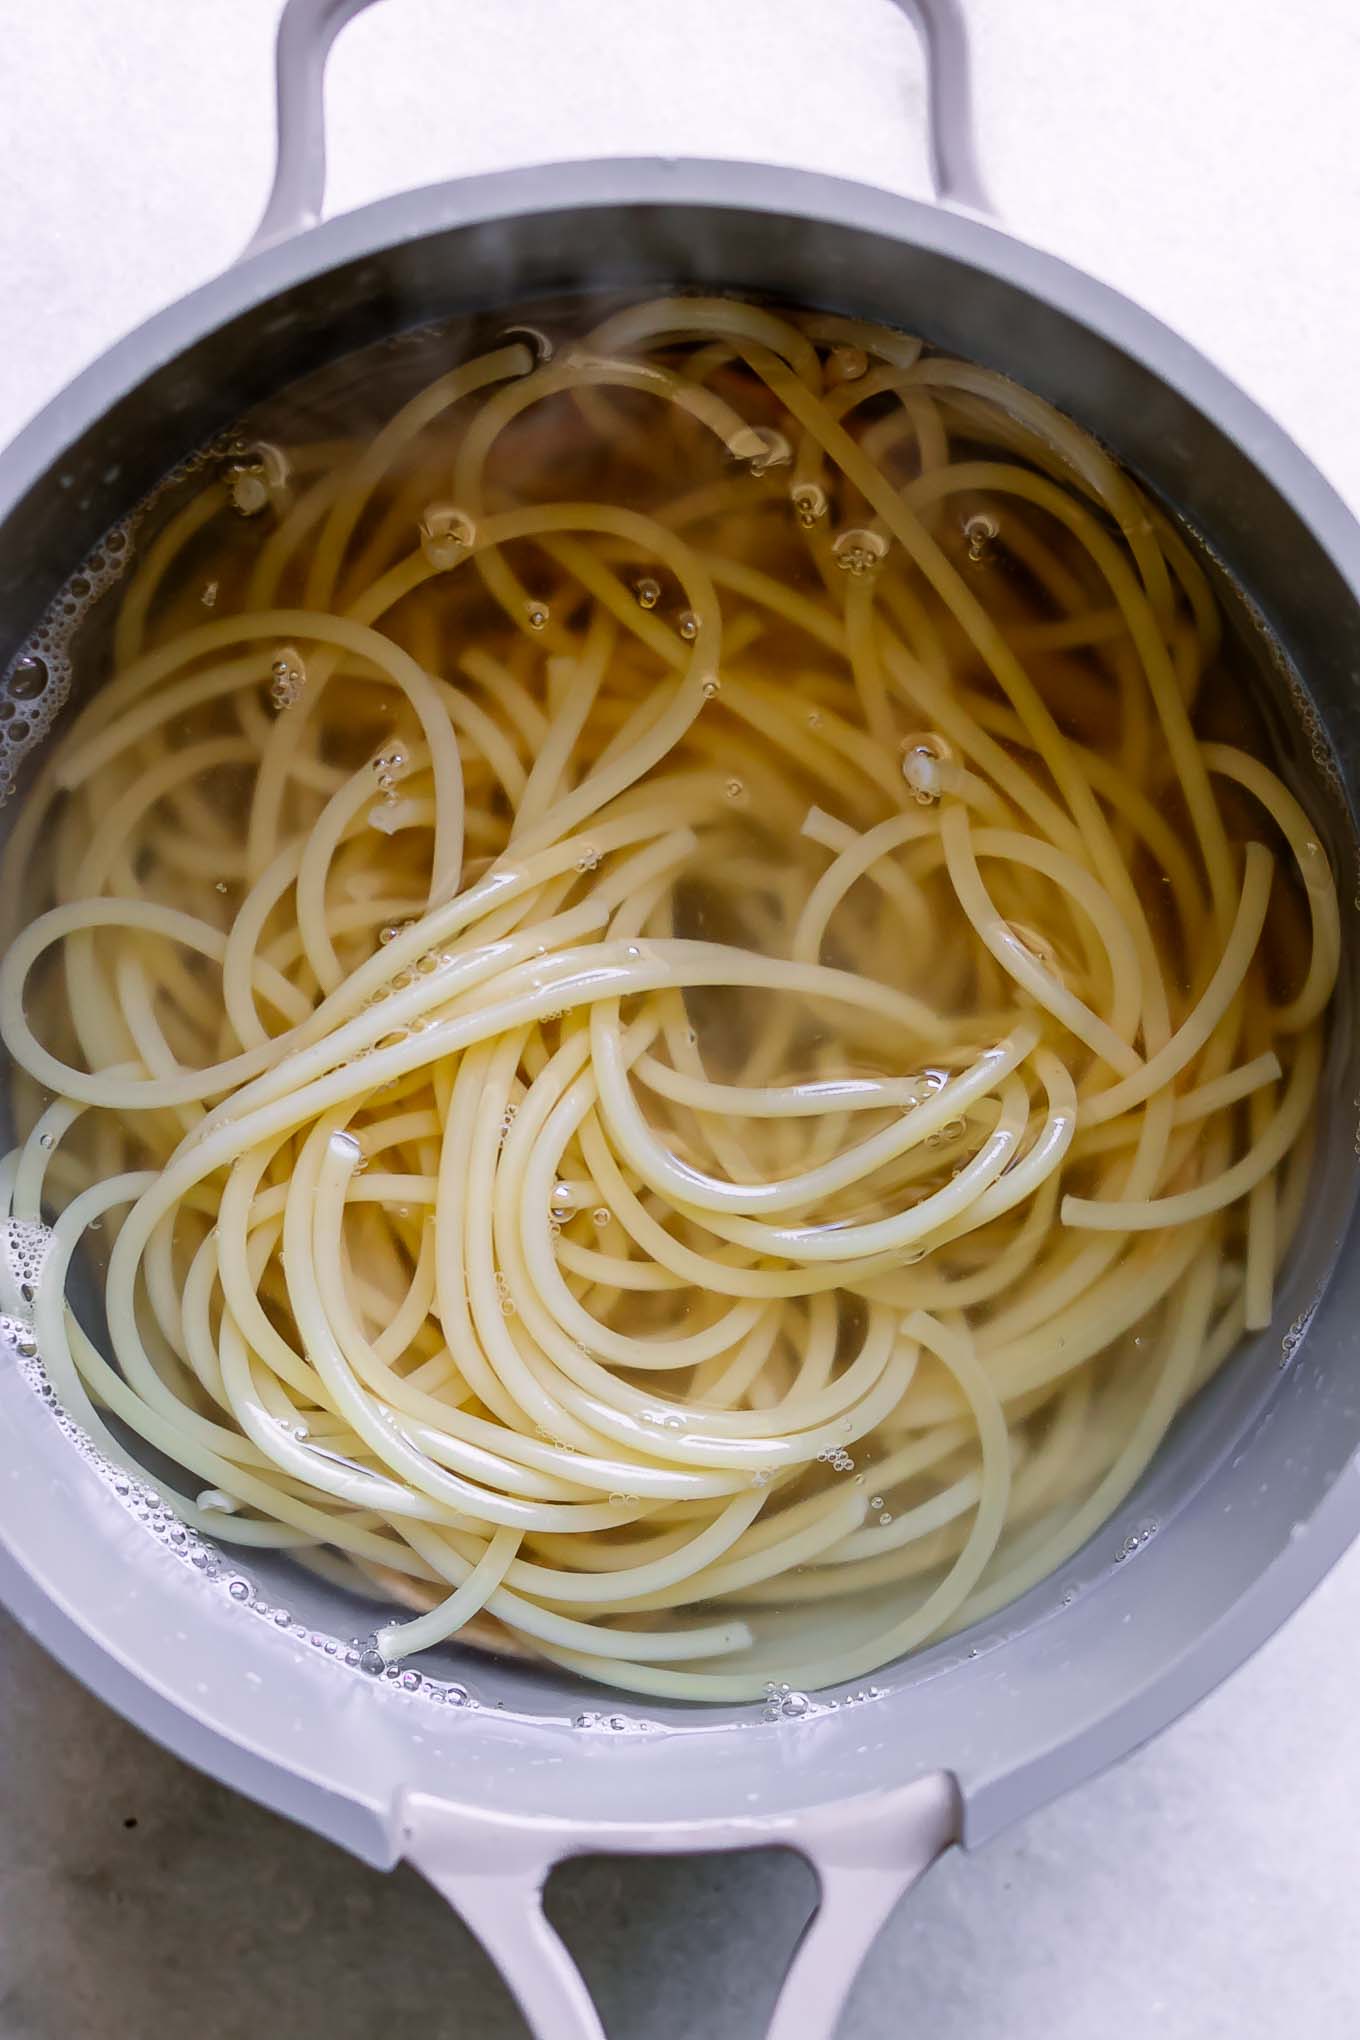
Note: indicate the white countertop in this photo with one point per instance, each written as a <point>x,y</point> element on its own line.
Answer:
<point>1200,154</point>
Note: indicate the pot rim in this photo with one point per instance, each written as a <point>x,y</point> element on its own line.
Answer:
<point>997,1783</point>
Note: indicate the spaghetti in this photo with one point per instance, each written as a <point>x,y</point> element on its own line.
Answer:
<point>682,1045</point>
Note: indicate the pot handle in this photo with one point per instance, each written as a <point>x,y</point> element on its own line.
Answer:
<point>866,1854</point>
<point>308,28</point>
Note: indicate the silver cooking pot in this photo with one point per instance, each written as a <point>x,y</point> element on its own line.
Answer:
<point>1256,1491</point>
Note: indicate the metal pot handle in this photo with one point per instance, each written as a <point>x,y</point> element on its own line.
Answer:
<point>866,1853</point>
<point>308,28</point>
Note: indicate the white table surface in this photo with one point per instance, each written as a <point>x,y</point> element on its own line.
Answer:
<point>1202,155</point>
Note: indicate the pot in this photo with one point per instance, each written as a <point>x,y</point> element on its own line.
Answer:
<point>1255,1492</point>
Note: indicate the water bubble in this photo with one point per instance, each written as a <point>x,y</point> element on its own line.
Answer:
<point>28,677</point>
<point>600,1217</point>
<point>563,1203</point>
<point>734,789</point>
<point>875,1501</point>
<point>387,766</point>
<point>239,1589</point>
<point>588,858</point>
<point>809,502</point>
<point>858,551</point>
<point>47,1140</point>
<point>209,595</point>
<point>446,534</point>
<point>688,626</point>
<point>288,675</point>
<point>411,1681</point>
<point>648,592</point>
<point>886,1517</point>
<point>372,1661</point>
<point>711,687</point>
<point>536,615</point>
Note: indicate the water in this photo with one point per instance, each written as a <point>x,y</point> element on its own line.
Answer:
<point>266,470</point>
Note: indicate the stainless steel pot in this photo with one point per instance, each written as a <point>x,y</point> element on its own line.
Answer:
<point>1257,1490</point>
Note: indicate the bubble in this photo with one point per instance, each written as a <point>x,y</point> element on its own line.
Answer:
<point>588,859</point>
<point>387,766</point>
<point>411,1681</point>
<point>563,1203</point>
<point>980,530</point>
<point>875,1501</point>
<point>886,1517</point>
<point>600,1217</point>
<point>858,551</point>
<point>239,1589</point>
<point>372,1661</point>
<point>688,626</point>
<point>734,788</point>
<point>711,686</point>
<point>28,677</point>
<point>288,675</point>
<point>648,592</point>
<point>47,1140</point>
<point>209,595</point>
<point>794,1705</point>
<point>446,534</point>
<point>536,615</point>
<point>809,501</point>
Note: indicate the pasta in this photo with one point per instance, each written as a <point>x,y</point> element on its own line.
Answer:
<point>681,1013</point>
